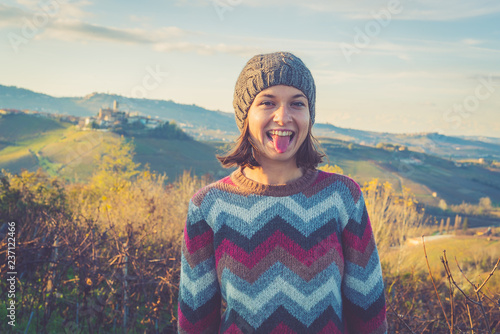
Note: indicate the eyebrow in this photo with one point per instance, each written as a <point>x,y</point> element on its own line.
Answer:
<point>293,97</point>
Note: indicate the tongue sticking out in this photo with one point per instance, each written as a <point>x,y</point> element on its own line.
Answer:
<point>281,143</point>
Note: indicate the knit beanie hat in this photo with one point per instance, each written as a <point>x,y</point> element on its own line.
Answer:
<point>266,70</point>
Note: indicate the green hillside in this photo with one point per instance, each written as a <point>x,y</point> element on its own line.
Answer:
<point>62,149</point>
<point>423,174</point>
<point>31,142</point>
<point>17,127</point>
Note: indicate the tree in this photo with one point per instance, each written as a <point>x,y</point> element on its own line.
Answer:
<point>331,169</point>
<point>442,204</point>
<point>116,167</point>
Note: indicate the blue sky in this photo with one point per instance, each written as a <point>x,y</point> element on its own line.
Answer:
<point>390,66</point>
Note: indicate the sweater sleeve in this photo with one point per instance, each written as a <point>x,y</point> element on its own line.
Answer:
<point>199,292</point>
<point>363,286</point>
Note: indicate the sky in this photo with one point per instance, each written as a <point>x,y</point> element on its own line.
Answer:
<point>399,66</point>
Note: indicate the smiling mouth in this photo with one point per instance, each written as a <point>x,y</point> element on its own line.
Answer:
<point>281,139</point>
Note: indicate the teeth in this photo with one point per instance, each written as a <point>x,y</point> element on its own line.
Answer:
<point>280,133</point>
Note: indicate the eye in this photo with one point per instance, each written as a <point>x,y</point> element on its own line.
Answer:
<point>298,104</point>
<point>266,103</point>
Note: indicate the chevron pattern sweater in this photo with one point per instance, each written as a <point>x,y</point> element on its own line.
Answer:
<point>294,258</point>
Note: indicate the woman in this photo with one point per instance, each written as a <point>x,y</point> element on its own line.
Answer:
<point>288,248</point>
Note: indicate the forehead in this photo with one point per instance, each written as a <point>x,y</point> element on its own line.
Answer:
<point>281,91</point>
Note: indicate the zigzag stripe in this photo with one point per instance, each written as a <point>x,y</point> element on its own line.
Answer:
<point>198,242</point>
<point>331,328</point>
<point>199,314</point>
<point>362,300</point>
<point>358,258</point>
<point>200,300</point>
<point>279,254</point>
<point>358,242</point>
<point>275,224</point>
<point>363,274</point>
<point>277,239</point>
<point>250,228</point>
<point>358,227</point>
<point>364,292</point>
<point>305,308</point>
<point>281,272</point>
<point>197,257</point>
<point>370,318</point>
<point>197,295</point>
<point>328,180</point>
<point>249,216</point>
<point>196,228</point>
<point>282,329</point>
<point>327,322</point>
<point>358,216</point>
<point>247,201</point>
<point>197,279</point>
<point>324,181</point>
<point>281,299</point>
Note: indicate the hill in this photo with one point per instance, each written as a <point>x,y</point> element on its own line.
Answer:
<point>429,143</point>
<point>203,124</point>
<point>197,121</point>
<point>429,177</point>
<point>29,142</point>
<point>62,149</point>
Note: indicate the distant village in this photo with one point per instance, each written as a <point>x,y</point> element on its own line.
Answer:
<point>104,120</point>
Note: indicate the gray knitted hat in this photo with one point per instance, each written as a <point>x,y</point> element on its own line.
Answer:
<point>266,70</point>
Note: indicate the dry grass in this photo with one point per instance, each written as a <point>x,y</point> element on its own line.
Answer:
<point>104,256</point>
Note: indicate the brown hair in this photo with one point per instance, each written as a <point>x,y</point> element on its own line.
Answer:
<point>309,156</point>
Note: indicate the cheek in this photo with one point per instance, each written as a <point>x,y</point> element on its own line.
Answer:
<point>304,127</point>
<point>256,126</point>
<point>304,123</point>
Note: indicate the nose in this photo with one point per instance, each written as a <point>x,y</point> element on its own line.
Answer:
<point>282,115</point>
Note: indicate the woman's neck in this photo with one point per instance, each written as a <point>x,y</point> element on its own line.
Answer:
<point>273,174</point>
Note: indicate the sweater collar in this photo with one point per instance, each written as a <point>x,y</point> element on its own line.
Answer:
<point>249,186</point>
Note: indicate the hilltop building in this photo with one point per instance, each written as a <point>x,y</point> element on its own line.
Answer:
<point>111,115</point>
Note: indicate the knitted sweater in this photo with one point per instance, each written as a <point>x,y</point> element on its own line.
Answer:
<point>294,258</point>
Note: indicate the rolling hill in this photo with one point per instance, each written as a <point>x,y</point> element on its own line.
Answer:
<point>29,142</point>
<point>429,177</point>
<point>430,143</point>
<point>424,163</point>
<point>203,124</point>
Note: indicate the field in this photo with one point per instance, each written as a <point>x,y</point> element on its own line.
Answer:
<point>61,149</point>
<point>476,256</point>
<point>429,178</point>
<point>103,254</point>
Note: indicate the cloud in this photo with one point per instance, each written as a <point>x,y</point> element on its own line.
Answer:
<point>35,11</point>
<point>71,30</point>
<point>343,77</point>
<point>470,41</point>
<point>65,23</point>
<point>205,49</point>
<point>420,10</point>
<point>10,15</point>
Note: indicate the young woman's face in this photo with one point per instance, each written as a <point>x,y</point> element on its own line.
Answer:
<point>278,122</point>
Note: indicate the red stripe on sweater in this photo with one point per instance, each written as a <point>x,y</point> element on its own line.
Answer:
<point>355,242</point>
<point>330,328</point>
<point>201,326</point>
<point>283,329</point>
<point>307,257</point>
<point>369,326</point>
<point>199,241</point>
